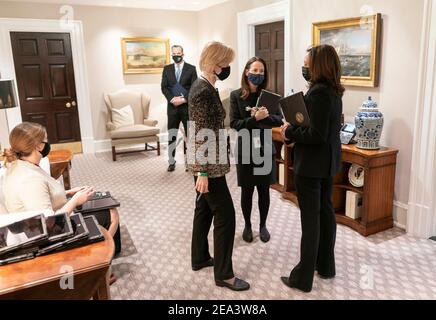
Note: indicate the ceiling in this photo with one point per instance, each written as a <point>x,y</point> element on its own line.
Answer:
<point>186,5</point>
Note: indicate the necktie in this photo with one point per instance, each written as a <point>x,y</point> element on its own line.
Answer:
<point>178,74</point>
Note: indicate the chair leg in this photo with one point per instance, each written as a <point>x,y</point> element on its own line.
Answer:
<point>158,148</point>
<point>184,147</point>
<point>114,154</point>
<point>146,147</point>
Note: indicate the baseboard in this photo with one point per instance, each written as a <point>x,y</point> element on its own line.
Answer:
<point>400,209</point>
<point>400,214</point>
<point>102,146</point>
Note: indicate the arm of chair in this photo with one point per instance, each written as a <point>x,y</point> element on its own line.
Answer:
<point>110,126</point>
<point>151,123</point>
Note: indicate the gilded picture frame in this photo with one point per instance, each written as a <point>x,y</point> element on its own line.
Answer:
<point>144,55</point>
<point>358,43</point>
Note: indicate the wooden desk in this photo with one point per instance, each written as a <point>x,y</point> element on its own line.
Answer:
<point>377,192</point>
<point>41,278</point>
<point>60,164</point>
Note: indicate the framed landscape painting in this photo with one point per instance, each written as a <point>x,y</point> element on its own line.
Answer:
<point>357,41</point>
<point>145,55</point>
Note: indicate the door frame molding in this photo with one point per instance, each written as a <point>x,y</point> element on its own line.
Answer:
<point>7,67</point>
<point>248,20</point>
<point>421,216</point>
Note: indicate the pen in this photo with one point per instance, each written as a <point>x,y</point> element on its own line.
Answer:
<point>199,197</point>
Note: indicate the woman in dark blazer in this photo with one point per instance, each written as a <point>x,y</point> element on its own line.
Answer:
<point>246,120</point>
<point>317,159</point>
<point>209,163</point>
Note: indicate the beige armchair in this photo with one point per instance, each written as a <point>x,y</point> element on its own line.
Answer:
<point>144,130</point>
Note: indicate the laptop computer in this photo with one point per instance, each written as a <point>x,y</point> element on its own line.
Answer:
<point>14,258</point>
<point>93,235</point>
<point>80,232</point>
<point>101,201</point>
<point>59,227</point>
<point>23,234</point>
<point>294,110</point>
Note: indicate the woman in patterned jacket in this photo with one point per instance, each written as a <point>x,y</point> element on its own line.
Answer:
<point>209,163</point>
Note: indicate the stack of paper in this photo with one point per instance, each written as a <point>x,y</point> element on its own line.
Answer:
<point>354,205</point>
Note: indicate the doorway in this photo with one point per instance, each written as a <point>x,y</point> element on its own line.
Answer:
<point>46,85</point>
<point>270,46</point>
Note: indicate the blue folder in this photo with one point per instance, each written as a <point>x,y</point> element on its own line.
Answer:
<point>177,90</point>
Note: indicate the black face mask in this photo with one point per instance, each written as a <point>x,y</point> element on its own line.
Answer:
<point>225,73</point>
<point>306,74</point>
<point>177,59</point>
<point>46,149</point>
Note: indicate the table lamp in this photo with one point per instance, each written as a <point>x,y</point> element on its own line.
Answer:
<point>8,99</point>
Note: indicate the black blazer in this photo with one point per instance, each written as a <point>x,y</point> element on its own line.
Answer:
<point>317,152</point>
<point>241,119</point>
<point>187,78</point>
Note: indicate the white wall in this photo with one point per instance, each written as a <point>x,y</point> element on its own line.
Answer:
<point>396,95</point>
<point>397,92</point>
<point>103,28</point>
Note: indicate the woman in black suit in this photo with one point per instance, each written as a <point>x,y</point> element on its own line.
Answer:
<point>245,119</point>
<point>317,159</point>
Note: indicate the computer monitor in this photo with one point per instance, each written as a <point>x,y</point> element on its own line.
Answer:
<point>80,232</point>
<point>59,227</point>
<point>23,234</point>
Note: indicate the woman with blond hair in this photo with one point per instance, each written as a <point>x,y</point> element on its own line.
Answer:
<point>205,156</point>
<point>27,187</point>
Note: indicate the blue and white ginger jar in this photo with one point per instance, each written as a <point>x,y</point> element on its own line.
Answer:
<point>369,126</point>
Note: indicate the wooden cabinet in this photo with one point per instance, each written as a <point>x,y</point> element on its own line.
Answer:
<point>377,192</point>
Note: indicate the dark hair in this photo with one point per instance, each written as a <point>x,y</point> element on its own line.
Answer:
<point>177,46</point>
<point>325,67</point>
<point>245,86</point>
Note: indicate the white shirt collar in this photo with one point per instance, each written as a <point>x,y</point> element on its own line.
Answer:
<point>179,65</point>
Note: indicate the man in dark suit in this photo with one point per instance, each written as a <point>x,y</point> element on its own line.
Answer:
<point>177,79</point>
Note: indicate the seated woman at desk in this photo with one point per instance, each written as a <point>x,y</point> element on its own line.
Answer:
<point>27,187</point>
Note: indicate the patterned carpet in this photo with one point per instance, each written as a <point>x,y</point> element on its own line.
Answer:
<point>156,218</point>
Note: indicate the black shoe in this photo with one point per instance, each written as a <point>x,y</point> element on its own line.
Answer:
<point>247,235</point>
<point>285,280</point>
<point>238,285</point>
<point>172,168</point>
<point>207,264</point>
<point>264,235</point>
<point>326,277</point>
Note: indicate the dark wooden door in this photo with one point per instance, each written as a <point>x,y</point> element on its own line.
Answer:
<point>45,79</point>
<point>270,46</point>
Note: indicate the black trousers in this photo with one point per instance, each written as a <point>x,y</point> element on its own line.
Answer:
<point>174,119</point>
<point>217,205</point>
<point>263,203</point>
<point>318,223</point>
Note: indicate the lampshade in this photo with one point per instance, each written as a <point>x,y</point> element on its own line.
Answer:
<point>7,94</point>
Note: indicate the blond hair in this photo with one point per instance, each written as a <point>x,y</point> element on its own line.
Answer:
<point>214,54</point>
<point>23,139</point>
